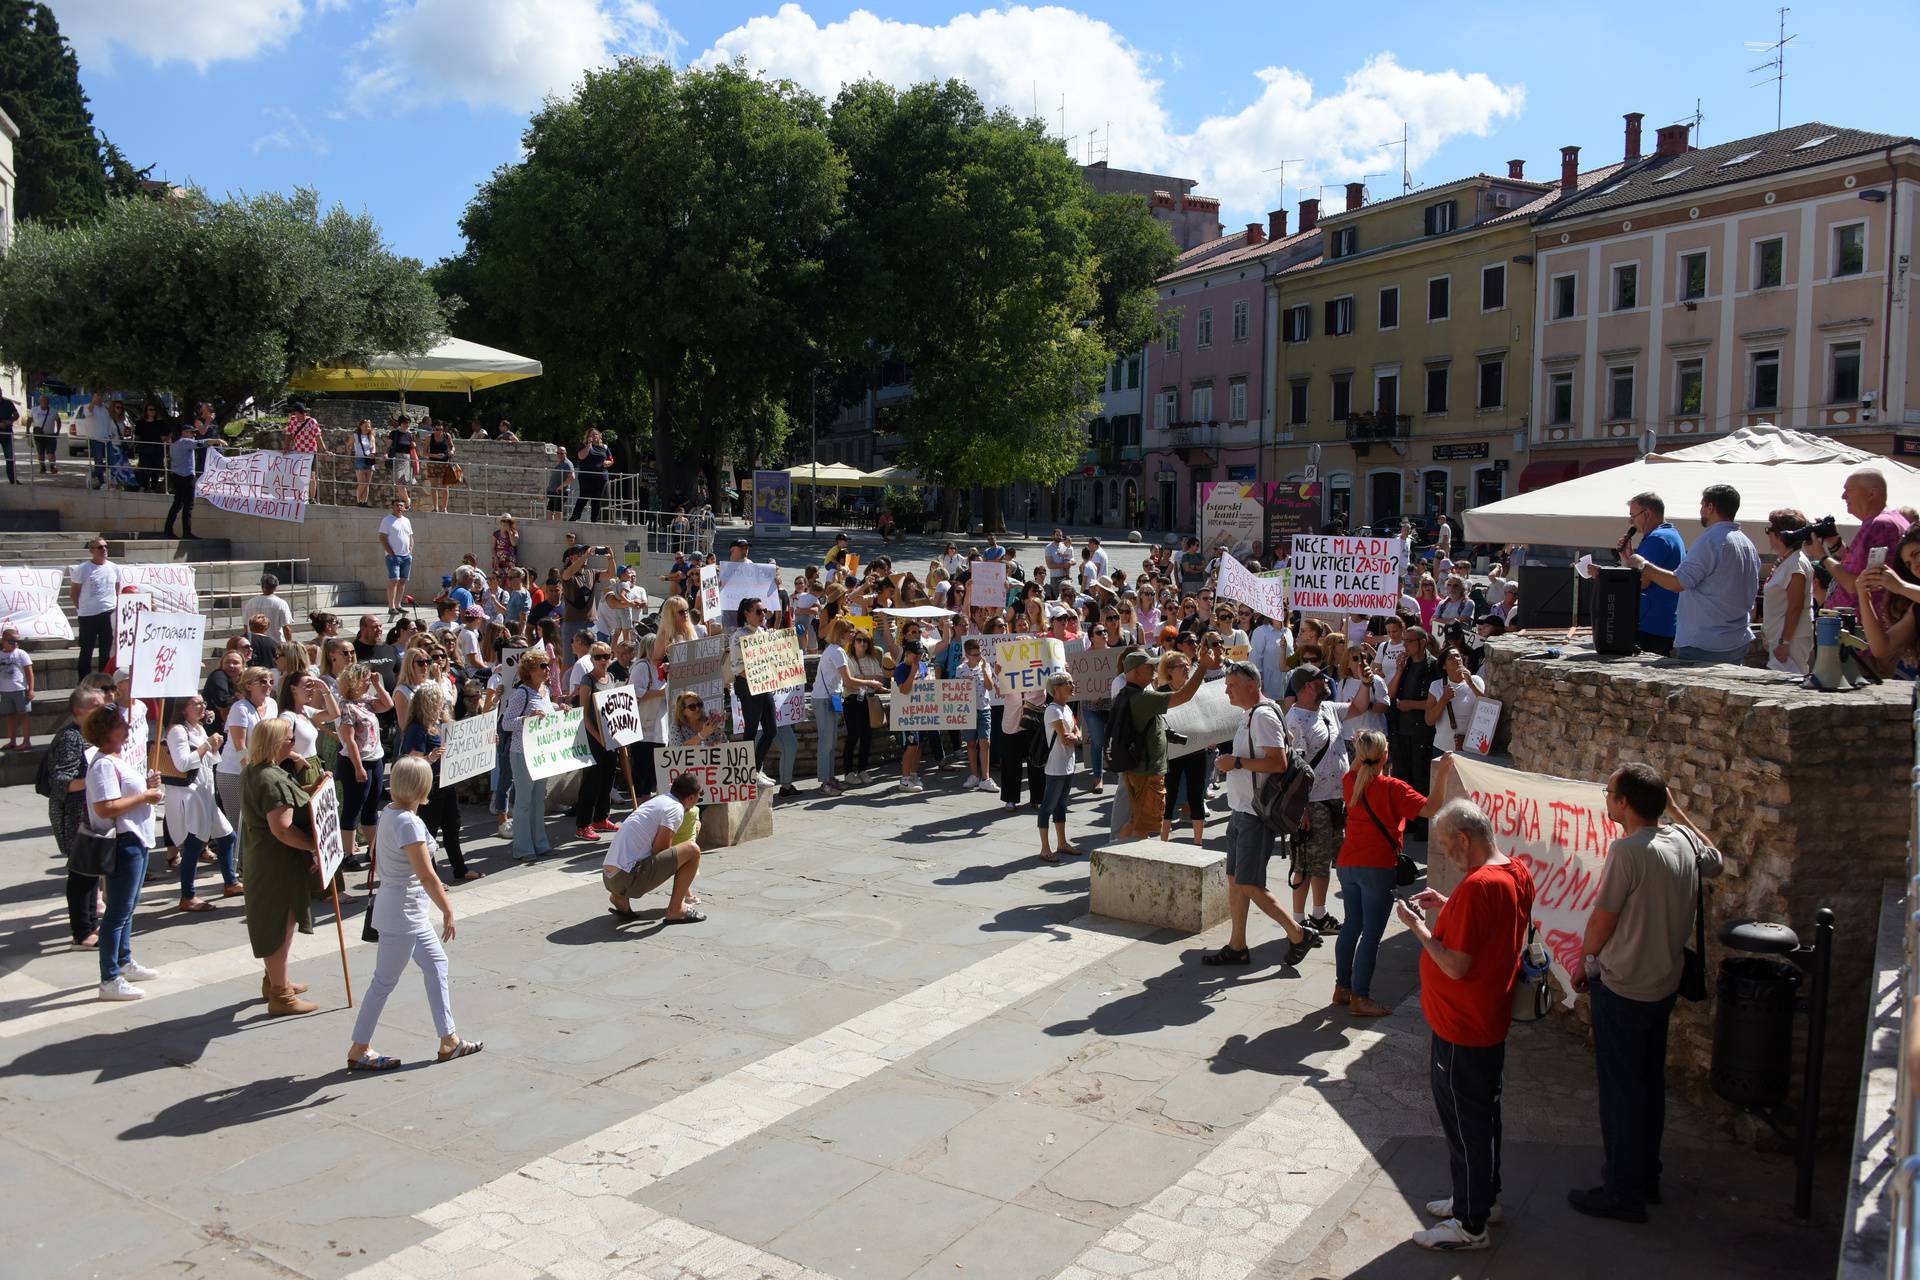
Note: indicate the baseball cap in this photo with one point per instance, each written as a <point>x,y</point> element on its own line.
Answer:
<point>473,611</point>
<point>1134,661</point>
<point>1303,675</point>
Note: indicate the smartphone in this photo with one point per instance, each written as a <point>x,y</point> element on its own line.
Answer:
<point>1876,557</point>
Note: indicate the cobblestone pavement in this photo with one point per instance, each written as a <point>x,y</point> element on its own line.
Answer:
<point>899,1048</point>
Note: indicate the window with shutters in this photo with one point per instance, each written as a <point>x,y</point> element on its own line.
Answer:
<point>1390,307</point>
<point>1439,297</point>
<point>1493,287</point>
<point>1169,407</point>
<point>1297,403</point>
<point>1346,242</point>
<point>1237,400</point>
<point>1295,323</point>
<point>1340,316</point>
<point>1203,404</point>
<point>1342,397</point>
<point>1203,329</point>
<point>1493,382</point>
<point>1440,217</point>
<point>1386,394</point>
<point>1437,389</point>
<point>1240,321</point>
<point>1173,334</point>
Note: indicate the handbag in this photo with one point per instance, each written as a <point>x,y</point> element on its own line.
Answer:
<point>456,474</point>
<point>92,854</point>
<point>1532,996</point>
<point>876,714</point>
<point>1405,869</point>
<point>1693,959</point>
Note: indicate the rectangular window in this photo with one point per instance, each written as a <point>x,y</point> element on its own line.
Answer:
<point>1203,329</point>
<point>1169,408</point>
<point>1764,382</point>
<point>1295,323</point>
<point>1770,263</point>
<point>1173,334</point>
<point>1843,373</point>
<point>1850,249</point>
<point>1439,297</point>
<point>1493,287</point>
<point>1340,316</point>
<point>1493,383</point>
<point>1693,276</point>
<point>1203,404</point>
<point>1133,373</point>
<point>1390,308</point>
<point>1239,322</point>
<point>1346,242</point>
<point>1560,399</point>
<point>1237,401</point>
<point>1620,394</point>
<point>1690,381</point>
<point>1626,286</point>
<point>1342,397</point>
<point>1563,297</point>
<point>1440,217</point>
<point>1386,394</point>
<point>1437,389</point>
<point>1297,404</point>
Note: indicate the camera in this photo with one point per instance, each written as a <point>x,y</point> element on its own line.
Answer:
<point>1822,528</point>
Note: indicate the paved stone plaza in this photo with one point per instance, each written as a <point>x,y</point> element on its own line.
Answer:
<point>899,1048</point>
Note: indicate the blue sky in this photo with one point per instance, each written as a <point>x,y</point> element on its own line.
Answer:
<point>402,106</point>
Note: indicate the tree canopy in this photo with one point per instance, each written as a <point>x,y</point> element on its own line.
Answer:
<point>65,169</point>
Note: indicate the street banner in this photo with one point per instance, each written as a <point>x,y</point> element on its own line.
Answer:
<point>466,747</point>
<point>1231,513</point>
<point>556,744</point>
<point>1265,596</point>
<point>743,579</point>
<point>171,587</point>
<point>261,483</point>
<point>30,602</point>
<point>790,706</point>
<point>619,709</point>
<point>166,654</point>
<point>989,582</point>
<point>725,770</point>
<point>1207,719</point>
<point>1557,828</point>
<point>697,666</point>
<point>772,502</point>
<point>1486,719</point>
<point>710,606</point>
<point>933,705</point>
<point>1336,575</point>
<point>1093,671</point>
<point>326,830</point>
<point>771,660</point>
<point>1026,661</point>
<point>128,607</point>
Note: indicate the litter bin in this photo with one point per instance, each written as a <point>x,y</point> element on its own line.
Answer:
<point>1753,1030</point>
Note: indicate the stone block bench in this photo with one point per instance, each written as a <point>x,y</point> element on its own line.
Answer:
<point>1174,886</point>
<point>736,821</point>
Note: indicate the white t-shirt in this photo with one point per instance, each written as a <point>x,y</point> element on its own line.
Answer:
<point>278,614</point>
<point>1060,756</point>
<point>99,423</point>
<point>306,739</point>
<point>400,894</point>
<point>634,840</point>
<point>99,584</point>
<point>399,531</point>
<point>242,715</point>
<point>1308,731</point>
<point>577,672</point>
<point>1088,572</point>
<point>1375,719</point>
<point>1466,697</point>
<point>109,778</point>
<point>826,677</point>
<point>1390,656</point>
<point>1059,559</point>
<point>1266,732</point>
<point>13,670</point>
<point>1100,561</point>
<point>468,644</point>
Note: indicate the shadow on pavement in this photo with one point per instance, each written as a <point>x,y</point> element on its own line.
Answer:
<point>124,1052</point>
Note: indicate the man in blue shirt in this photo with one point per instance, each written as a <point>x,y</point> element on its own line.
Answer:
<point>1717,583</point>
<point>1661,546</point>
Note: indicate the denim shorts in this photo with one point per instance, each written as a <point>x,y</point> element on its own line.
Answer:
<point>399,568</point>
<point>363,464</point>
<point>982,730</point>
<point>925,739</point>
<point>1249,849</point>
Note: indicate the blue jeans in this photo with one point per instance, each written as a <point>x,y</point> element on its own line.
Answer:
<point>123,891</point>
<point>529,812</point>
<point>1368,895</point>
<point>97,473</point>
<point>826,723</point>
<point>190,861</point>
<point>1693,653</point>
<point>1094,724</point>
<point>787,743</point>
<point>501,781</point>
<point>1630,1057</point>
<point>1053,802</point>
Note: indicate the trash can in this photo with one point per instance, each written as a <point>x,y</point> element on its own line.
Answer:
<point>1753,1030</point>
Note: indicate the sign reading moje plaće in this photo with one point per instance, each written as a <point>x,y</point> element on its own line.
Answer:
<point>261,483</point>
<point>166,654</point>
<point>467,746</point>
<point>1026,661</point>
<point>1336,574</point>
<point>771,660</point>
<point>556,744</point>
<point>725,770</point>
<point>933,704</point>
<point>619,709</point>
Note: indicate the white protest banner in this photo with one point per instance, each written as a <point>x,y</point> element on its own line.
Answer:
<point>261,483</point>
<point>171,587</point>
<point>1559,830</point>
<point>1486,719</point>
<point>725,770</point>
<point>743,579</point>
<point>696,666</point>
<point>710,606</point>
<point>933,704</point>
<point>1265,596</point>
<point>1207,719</point>
<point>166,654</point>
<point>1025,662</point>
<point>771,661</point>
<point>556,744</point>
<point>619,709</point>
<point>989,583</point>
<point>30,602</point>
<point>1093,671</point>
<point>790,706</point>
<point>1338,574</point>
<point>467,746</point>
<point>326,831</point>
<point>127,608</point>
<point>920,611</point>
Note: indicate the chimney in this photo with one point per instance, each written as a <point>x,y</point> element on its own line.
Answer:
<point>1517,170</point>
<point>1356,195</point>
<point>1309,215</point>
<point>1256,234</point>
<point>1569,170</point>
<point>1633,135</point>
<point>1671,140</point>
<point>1276,224</point>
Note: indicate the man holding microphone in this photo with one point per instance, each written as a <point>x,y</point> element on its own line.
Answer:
<point>1661,546</point>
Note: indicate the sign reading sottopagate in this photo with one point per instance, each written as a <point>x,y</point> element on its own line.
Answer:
<point>1335,574</point>
<point>771,660</point>
<point>725,770</point>
<point>934,705</point>
<point>466,747</point>
<point>166,654</point>
<point>30,602</point>
<point>556,744</point>
<point>1025,663</point>
<point>261,483</point>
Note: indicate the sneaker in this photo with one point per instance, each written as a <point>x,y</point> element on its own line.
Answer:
<point>831,787</point>
<point>1227,955</point>
<point>1324,922</point>
<point>1443,1208</point>
<point>1297,951</point>
<point>1598,1202</point>
<point>505,829</point>
<point>120,990</point>
<point>763,779</point>
<point>608,827</point>
<point>788,790</point>
<point>586,833</point>
<point>138,972</point>
<point>1450,1237</point>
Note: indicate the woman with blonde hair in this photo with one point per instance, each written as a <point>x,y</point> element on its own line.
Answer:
<point>359,769</point>
<point>431,713</point>
<point>404,851</point>
<point>1379,806</point>
<point>693,725</point>
<point>676,627</point>
<point>526,704</point>
<point>252,704</point>
<point>276,832</point>
<point>416,668</point>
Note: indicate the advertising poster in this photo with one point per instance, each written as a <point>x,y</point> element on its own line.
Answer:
<point>1231,512</point>
<point>1291,509</point>
<point>772,501</point>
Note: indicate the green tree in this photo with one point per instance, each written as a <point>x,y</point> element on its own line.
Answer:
<point>1132,249</point>
<point>66,170</point>
<point>215,300</point>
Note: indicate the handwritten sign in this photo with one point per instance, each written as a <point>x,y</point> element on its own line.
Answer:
<point>989,583</point>
<point>710,606</point>
<point>1264,595</point>
<point>127,608</point>
<point>696,666</point>
<point>1093,671</point>
<point>261,483</point>
<point>725,770</point>
<point>556,744</point>
<point>166,654</point>
<point>933,705</point>
<point>1346,575</point>
<point>1207,719</point>
<point>619,709</point>
<point>1486,719</point>
<point>30,602</point>
<point>1026,661</point>
<point>771,660</point>
<point>326,831</point>
<point>861,622</point>
<point>171,587</point>
<point>790,706</point>
<point>743,579</point>
<point>467,747</point>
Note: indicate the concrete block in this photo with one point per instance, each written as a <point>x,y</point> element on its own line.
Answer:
<point>737,821</point>
<point>1175,886</point>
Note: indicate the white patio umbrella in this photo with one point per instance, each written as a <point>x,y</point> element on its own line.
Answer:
<point>829,474</point>
<point>452,364</point>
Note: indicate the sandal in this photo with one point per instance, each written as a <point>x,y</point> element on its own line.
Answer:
<point>691,917</point>
<point>471,875</point>
<point>371,1061</point>
<point>1072,850</point>
<point>1046,856</point>
<point>461,1048</point>
<point>1227,955</point>
<point>618,914</point>
<point>195,904</point>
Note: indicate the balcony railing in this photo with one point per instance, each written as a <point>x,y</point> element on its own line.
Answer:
<point>1379,428</point>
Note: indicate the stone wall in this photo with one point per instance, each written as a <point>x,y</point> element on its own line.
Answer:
<point>1804,792</point>
<point>501,476</point>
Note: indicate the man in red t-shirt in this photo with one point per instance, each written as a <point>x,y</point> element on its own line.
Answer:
<point>1468,960</point>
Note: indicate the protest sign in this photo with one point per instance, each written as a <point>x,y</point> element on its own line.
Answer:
<point>30,602</point>
<point>326,831</point>
<point>171,587</point>
<point>1486,719</point>
<point>619,709</point>
<point>1025,662</point>
<point>725,770</point>
<point>696,666</point>
<point>1264,595</point>
<point>1337,574</point>
<point>1239,652</point>
<point>466,747</point>
<point>790,706</point>
<point>771,660</point>
<point>772,501</point>
<point>556,744</point>
<point>861,622</point>
<point>166,654</point>
<point>923,612</point>
<point>127,608</point>
<point>1207,719</point>
<point>743,579</point>
<point>989,582</point>
<point>1092,670</point>
<point>261,483</point>
<point>933,705</point>
<point>710,606</point>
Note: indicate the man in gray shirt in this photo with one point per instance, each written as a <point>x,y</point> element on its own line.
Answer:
<point>1642,916</point>
<point>1717,583</point>
<point>183,470</point>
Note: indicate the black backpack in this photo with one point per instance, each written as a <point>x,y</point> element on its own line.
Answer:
<point>43,776</point>
<point>1280,799</point>
<point>1123,736</point>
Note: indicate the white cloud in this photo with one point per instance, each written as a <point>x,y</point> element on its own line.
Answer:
<point>503,53</point>
<point>290,134</point>
<point>1015,56</point>
<point>199,32</point>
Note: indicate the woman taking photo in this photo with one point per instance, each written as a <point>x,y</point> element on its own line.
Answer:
<point>1787,597</point>
<point>248,710</point>
<point>1897,640</point>
<point>1454,698</point>
<point>276,834</point>
<point>526,704</point>
<point>693,725</point>
<point>120,803</point>
<point>422,741</point>
<point>1063,744</point>
<point>193,818</point>
<point>67,805</point>
<point>403,851</point>
<point>364,450</point>
<point>1379,806</point>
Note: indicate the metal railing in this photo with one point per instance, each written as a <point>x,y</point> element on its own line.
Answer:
<point>1903,1253</point>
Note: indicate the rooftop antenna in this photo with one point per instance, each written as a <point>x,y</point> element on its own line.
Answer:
<point>1406,174</point>
<point>1695,120</point>
<point>1365,186</point>
<point>1281,169</point>
<point>1777,64</point>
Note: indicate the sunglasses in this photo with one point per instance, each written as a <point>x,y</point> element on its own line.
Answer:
<point>698,706</point>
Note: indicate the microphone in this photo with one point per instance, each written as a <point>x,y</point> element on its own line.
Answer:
<point>1621,547</point>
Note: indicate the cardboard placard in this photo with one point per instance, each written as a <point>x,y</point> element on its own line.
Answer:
<point>771,660</point>
<point>1486,719</point>
<point>933,705</point>
<point>697,666</point>
<point>619,709</point>
<point>862,622</point>
<point>30,602</point>
<point>1092,670</point>
<point>1025,663</point>
<point>326,830</point>
<point>1267,596</point>
<point>743,579</point>
<point>790,706</point>
<point>1338,574</point>
<point>128,606</point>
<point>989,582</point>
<point>710,606</point>
<point>166,654</point>
<point>725,770</point>
<point>556,744</point>
<point>467,746</point>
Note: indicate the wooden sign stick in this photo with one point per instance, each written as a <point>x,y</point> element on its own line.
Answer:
<point>346,979</point>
